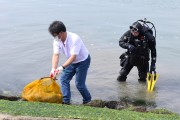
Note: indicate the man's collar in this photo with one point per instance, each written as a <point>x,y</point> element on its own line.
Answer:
<point>67,34</point>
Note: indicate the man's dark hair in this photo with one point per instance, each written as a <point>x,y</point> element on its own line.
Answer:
<point>56,27</point>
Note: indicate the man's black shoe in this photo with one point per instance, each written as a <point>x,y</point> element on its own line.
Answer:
<point>66,103</point>
<point>86,102</point>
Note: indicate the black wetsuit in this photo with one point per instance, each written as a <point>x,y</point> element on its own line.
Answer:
<point>139,57</point>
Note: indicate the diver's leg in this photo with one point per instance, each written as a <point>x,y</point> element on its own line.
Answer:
<point>124,71</point>
<point>142,71</point>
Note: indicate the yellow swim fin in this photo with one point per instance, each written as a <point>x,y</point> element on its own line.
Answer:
<point>154,79</point>
<point>149,81</point>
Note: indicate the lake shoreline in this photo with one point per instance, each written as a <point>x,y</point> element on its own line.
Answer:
<point>22,110</point>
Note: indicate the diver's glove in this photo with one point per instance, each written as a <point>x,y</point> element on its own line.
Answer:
<point>131,48</point>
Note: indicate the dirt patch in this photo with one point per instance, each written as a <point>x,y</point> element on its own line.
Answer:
<point>134,105</point>
<point>11,98</point>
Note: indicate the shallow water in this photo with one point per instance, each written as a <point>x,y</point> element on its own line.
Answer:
<point>26,45</point>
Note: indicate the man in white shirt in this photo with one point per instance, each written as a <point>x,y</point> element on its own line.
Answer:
<point>78,61</point>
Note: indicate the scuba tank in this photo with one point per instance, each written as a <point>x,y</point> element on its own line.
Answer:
<point>148,27</point>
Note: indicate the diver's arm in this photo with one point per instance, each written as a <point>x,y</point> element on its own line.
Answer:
<point>152,46</point>
<point>124,40</point>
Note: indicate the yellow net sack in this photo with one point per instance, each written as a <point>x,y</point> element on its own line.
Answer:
<point>43,90</point>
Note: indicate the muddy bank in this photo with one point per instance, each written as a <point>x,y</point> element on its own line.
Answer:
<point>11,98</point>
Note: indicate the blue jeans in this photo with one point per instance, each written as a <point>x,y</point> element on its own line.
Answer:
<point>80,69</point>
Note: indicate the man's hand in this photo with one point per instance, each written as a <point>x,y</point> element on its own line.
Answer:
<point>59,69</point>
<point>131,48</point>
<point>53,73</point>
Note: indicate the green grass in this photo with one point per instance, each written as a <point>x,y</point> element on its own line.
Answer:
<point>39,109</point>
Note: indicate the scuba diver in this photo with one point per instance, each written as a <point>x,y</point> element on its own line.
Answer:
<point>139,42</point>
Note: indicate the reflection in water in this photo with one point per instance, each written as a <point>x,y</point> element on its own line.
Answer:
<point>136,91</point>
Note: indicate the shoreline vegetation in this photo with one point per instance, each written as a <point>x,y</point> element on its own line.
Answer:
<point>125,109</point>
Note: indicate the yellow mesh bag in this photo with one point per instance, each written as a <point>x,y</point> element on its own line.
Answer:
<point>43,90</point>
